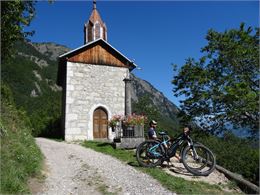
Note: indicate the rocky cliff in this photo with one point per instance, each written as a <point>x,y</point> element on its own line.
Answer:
<point>141,87</point>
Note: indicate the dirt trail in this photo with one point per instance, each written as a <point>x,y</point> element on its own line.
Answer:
<point>73,169</point>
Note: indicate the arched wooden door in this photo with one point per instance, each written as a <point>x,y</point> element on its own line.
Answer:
<point>100,124</point>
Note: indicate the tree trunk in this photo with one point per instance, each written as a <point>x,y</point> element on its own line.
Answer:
<point>238,178</point>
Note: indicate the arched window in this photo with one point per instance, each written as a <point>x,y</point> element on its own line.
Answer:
<point>97,30</point>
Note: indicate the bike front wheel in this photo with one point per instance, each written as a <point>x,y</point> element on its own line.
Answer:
<point>149,153</point>
<point>198,160</point>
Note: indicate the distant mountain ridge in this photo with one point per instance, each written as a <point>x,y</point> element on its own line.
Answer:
<point>52,50</point>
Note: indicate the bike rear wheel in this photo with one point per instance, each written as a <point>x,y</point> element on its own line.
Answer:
<point>201,165</point>
<point>149,153</point>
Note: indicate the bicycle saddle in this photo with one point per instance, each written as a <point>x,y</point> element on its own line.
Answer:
<point>163,133</point>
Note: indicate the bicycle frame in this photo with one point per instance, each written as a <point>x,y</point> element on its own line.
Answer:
<point>196,157</point>
<point>152,150</point>
<point>162,143</point>
<point>169,152</point>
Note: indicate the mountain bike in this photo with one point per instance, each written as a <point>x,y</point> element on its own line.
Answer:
<point>196,157</point>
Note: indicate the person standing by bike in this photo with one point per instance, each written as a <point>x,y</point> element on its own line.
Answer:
<point>152,134</point>
<point>151,131</point>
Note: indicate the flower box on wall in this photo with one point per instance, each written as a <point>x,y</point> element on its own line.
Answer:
<point>128,126</point>
<point>133,131</point>
<point>139,130</point>
<point>128,131</point>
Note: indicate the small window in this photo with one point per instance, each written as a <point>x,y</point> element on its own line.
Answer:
<point>98,30</point>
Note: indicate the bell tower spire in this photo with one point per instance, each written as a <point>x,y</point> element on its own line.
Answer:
<point>95,28</point>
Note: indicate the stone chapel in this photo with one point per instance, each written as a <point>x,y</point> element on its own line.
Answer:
<point>95,82</point>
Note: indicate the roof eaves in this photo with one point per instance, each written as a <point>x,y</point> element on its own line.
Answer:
<point>89,43</point>
<point>121,54</point>
<point>100,39</point>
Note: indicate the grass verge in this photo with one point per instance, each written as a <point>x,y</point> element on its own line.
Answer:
<point>20,156</point>
<point>174,184</point>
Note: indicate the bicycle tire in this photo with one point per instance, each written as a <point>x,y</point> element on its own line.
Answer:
<point>186,145</point>
<point>146,158</point>
<point>204,165</point>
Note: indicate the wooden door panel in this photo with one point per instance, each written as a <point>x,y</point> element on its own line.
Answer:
<point>103,130</point>
<point>95,128</point>
<point>100,124</point>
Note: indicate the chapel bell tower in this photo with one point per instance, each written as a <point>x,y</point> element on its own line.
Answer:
<point>96,85</point>
<point>95,28</point>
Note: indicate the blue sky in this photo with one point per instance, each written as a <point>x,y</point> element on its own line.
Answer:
<point>153,33</point>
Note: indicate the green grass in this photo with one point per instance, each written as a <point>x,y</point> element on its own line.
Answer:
<point>20,157</point>
<point>174,184</point>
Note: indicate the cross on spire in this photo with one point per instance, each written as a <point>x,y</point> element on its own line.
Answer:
<point>94,4</point>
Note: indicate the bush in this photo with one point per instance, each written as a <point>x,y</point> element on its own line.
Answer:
<point>235,154</point>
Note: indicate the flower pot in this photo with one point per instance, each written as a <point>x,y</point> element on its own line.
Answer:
<point>128,131</point>
<point>139,131</point>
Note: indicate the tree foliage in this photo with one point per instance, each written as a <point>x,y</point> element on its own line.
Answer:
<point>15,15</point>
<point>222,87</point>
<point>144,106</point>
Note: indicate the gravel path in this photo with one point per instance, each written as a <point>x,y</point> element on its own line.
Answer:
<point>73,169</point>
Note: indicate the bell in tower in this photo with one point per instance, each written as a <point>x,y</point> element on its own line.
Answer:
<point>95,28</point>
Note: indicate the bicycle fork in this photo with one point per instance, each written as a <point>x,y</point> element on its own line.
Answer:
<point>194,153</point>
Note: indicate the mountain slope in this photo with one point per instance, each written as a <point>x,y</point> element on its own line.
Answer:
<point>32,78</point>
<point>141,87</point>
<point>50,50</point>
<point>30,74</point>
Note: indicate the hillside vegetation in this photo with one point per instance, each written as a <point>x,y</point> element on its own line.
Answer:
<point>235,154</point>
<point>32,77</point>
<point>20,157</point>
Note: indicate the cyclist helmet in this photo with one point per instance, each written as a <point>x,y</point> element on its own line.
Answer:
<point>187,129</point>
<point>153,122</point>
